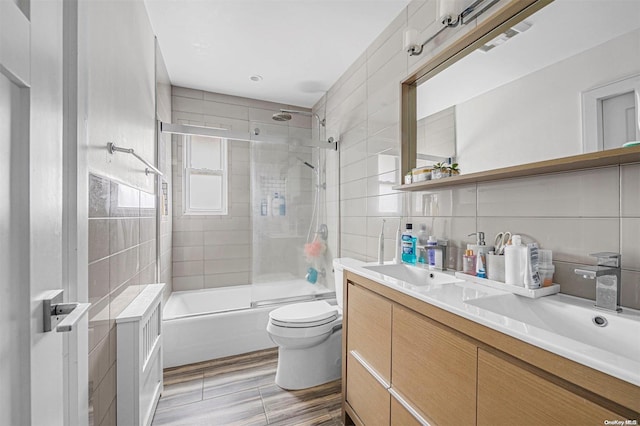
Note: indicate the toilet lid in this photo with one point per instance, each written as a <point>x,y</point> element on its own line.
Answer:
<point>308,314</point>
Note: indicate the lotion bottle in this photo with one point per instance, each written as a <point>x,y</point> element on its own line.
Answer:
<point>514,257</point>
<point>469,262</point>
<point>431,253</point>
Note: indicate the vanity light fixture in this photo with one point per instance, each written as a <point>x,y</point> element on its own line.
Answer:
<point>470,13</point>
<point>520,27</point>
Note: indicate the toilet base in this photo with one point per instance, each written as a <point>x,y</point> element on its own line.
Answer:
<point>309,367</point>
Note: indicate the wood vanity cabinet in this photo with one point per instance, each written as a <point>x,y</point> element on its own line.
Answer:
<point>433,368</point>
<point>400,416</point>
<point>511,395</point>
<point>401,363</point>
<point>368,355</point>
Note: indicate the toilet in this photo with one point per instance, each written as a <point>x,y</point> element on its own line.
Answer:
<point>309,339</point>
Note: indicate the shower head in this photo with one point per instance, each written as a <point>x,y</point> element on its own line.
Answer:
<point>285,115</point>
<point>281,116</point>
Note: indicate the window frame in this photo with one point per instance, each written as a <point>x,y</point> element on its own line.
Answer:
<point>188,171</point>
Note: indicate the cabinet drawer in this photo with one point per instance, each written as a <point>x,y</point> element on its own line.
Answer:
<point>434,369</point>
<point>400,416</point>
<point>510,395</point>
<point>369,329</point>
<point>368,397</point>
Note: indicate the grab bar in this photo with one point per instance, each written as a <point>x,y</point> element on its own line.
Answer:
<point>111,147</point>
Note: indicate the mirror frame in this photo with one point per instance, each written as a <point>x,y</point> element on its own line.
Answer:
<point>487,28</point>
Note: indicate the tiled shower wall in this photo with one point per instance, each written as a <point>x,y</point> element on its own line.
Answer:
<point>215,251</point>
<point>573,214</point>
<point>122,259</point>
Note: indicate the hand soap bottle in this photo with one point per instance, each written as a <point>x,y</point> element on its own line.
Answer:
<point>408,243</point>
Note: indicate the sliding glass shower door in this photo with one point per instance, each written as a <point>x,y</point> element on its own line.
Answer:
<point>283,194</point>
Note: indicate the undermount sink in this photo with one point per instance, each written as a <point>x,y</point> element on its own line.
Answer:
<point>571,317</point>
<point>413,275</point>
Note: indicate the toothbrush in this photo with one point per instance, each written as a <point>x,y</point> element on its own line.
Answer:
<point>381,245</point>
<point>397,259</point>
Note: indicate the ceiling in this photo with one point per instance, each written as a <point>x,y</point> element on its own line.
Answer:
<point>298,47</point>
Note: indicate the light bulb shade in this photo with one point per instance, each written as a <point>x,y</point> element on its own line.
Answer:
<point>410,39</point>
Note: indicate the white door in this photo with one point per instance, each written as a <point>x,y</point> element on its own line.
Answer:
<point>14,231</point>
<point>31,212</point>
<point>619,120</point>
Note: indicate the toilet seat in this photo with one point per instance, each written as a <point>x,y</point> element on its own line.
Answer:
<point>304,315</point>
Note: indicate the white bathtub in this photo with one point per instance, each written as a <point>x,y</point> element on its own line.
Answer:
<point>200,325</point>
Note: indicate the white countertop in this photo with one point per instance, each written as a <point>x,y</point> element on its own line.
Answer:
<point>618,357</point>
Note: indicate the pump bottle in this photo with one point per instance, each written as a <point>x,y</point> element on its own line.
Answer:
<point>514,259</point>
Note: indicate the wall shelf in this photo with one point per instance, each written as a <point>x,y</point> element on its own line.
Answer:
<point>575,162</point>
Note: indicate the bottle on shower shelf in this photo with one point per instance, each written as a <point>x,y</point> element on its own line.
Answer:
<point>264,209</point>
<point>283,207</point>
<point>275,205</point>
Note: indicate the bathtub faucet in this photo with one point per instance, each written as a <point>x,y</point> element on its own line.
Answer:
<point>607,274</point>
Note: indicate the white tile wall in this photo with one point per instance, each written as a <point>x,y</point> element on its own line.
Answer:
<point>561,195</point>
<point>630,201</point>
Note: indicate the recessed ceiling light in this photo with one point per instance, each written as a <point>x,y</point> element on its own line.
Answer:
<point>256,77</point>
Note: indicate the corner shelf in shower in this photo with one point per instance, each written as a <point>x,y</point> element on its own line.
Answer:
<point>591,160</point>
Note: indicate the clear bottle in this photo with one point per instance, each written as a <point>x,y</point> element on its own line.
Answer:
<point>408,243</point>
<point>423,236</point>
<point>263,207</point>
<point>431,253</point>
<point>283,207</point>
<point>469,263</point>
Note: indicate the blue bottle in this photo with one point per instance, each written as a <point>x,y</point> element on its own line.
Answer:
<point>408,244</point>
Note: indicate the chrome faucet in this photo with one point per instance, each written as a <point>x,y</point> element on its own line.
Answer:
<point>607,274</point>
<point>442,246</point>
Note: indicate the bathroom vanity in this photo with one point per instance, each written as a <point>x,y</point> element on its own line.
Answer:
<point>408,359</point>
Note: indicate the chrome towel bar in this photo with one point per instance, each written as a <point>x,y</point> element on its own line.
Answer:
<point>111,147</point>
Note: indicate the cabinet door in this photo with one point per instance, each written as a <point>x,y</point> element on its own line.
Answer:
<point>400,416</point>
<point>368,397</point>
<point>511,395</point>
<point>434,369</point>
<point>369,329</point>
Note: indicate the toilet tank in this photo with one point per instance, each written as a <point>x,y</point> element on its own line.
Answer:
<point>338,275</point>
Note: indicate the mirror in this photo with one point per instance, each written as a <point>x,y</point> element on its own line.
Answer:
<point>563,81</point>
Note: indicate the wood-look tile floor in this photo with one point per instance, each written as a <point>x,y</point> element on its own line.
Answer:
<point>241,390</point>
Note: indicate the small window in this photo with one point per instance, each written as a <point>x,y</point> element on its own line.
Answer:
<point>205,175</point>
